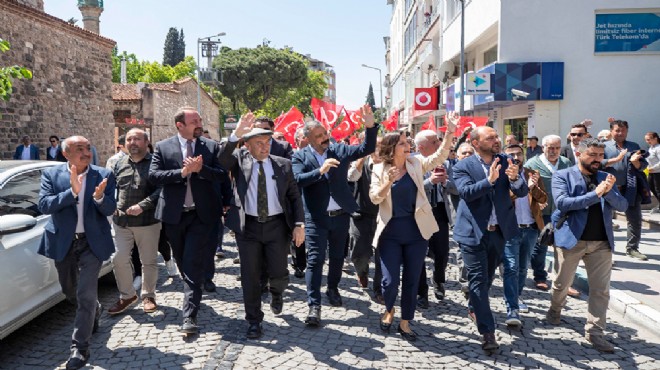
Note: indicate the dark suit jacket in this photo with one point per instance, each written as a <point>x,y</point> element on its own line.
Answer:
<point>56,199</point>
<point>34,152</point>
<point>165,170</point>
<point>447,191</point>
<point>58,155</point>
<point>478,197</point>
<point>567,151</point>
<point>571,195</point>
<point>239,163</point>
<point>317,188</point>
<point>281,149</point>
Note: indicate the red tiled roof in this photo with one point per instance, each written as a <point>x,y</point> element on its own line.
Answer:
<point>125,92</point>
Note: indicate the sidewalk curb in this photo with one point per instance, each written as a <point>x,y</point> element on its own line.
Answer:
<point>630,308</point>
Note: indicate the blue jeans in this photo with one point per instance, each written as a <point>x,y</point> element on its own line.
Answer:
<point>538,258</point>
<point>517,253</point>
<point>481,261</point>
<point>318,240</point>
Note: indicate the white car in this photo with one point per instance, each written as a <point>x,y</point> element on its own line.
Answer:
<point>29,281</point>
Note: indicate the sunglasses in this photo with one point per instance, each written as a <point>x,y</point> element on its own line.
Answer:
<point>579,134</point>
<point>53,141</point>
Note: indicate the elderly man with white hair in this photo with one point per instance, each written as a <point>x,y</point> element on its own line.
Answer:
<point>546,164</point>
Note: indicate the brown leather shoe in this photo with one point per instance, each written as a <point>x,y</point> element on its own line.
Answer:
<point>149,304</point>
<point>489,343</point>
<point>600,343</point>
<point>122,305</point>
<point>363,280</point>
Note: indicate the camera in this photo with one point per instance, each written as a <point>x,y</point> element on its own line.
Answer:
<point>519,94</point>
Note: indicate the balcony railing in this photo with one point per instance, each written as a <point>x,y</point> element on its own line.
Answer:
<point>94,3</point>
<point>430,16</point>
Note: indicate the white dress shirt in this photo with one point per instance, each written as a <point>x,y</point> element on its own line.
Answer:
<point>26,153</point>
<point>332,205</point>
<point>274,206</point>
<point>80,205</point>
<point>183,145</point>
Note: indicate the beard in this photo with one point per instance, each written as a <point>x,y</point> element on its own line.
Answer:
<point>592,167</point>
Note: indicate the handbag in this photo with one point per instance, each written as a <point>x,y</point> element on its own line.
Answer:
<point>547,235</point>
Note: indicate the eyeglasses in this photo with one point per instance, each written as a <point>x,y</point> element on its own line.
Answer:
<point>579,134</point>
<point>53,141</point>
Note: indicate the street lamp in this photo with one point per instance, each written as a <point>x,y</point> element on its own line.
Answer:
<point>210,49</point>
<point>380,79</point>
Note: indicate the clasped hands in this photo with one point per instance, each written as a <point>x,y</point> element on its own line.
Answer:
<point>511,171</point>
<point>76,181</point>
<point>605,186</point>
<point>192,165</point>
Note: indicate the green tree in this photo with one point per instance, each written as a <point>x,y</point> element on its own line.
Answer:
<point>300,97</point>
<point>134,68</point>
<point>144,71</point>
<point>171,53</point>
<point>7,74</point>
<point>181,48</point>
<point>252,76</point>
<point>370,98</point>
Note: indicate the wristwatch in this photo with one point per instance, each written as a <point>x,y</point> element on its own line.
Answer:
<point>300,224</point>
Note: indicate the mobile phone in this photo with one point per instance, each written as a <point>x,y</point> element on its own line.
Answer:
<point>439,170</point>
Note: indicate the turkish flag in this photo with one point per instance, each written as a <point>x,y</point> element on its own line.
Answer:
<point>466,122</point>
<point>326,113</point>
<point>430,124</point>
<point>426,98</point>
<point>355,140</point>
<point>392,122</point>
<point>354,117</point>
<point>290,122</point>
<point>343,129</point>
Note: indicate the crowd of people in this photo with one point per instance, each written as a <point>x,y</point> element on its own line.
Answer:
<point>392,197</point>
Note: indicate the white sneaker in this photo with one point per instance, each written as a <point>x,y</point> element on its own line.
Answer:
<point>137,283</point>
<point>522,307</point>
<point>171,267</point>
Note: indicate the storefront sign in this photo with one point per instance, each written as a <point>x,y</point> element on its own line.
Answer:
<point>477,83</point>
<point>637,33</point>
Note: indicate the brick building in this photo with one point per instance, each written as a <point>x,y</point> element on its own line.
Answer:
<point>152,106</point>
<point>70,92</point>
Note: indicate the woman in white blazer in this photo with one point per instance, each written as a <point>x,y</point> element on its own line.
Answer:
<point>405,220</point>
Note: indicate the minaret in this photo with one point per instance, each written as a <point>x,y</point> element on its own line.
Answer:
<point>91,11</point>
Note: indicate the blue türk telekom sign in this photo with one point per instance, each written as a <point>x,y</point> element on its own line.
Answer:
<point>627,33</point>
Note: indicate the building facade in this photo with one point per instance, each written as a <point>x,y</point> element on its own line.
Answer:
<point>70,91</point>
<point>330,94</point>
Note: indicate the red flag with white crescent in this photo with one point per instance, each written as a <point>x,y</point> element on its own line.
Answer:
<point>326,113</point>
<point>466,122</point>
<point>430,124</point>
<point>291,121</point>
<point>392,122</point>
<point>343,129</point>
<point>354,117</point>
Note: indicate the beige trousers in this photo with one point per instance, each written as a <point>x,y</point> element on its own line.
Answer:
<point>597,257</point>
<point>146,239</point>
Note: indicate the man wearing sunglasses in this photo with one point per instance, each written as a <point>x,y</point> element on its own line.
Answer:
<point>577,134</point>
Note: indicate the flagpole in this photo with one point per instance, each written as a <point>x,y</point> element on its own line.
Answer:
<point>462,98</point>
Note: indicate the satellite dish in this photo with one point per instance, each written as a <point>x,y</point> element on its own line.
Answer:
<point>447,67</point>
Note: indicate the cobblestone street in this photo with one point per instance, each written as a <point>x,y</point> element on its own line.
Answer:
<point>349,338</point>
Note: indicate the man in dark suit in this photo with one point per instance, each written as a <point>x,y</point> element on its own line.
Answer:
<point>27,151</point>
<point>485,220</point>
<point>79,197</point>
<point>54,152</point>
<point>321,170</point>
<point>266,212</point>
<point>186,166</point>
<point>577,134</point>
<point>279,148</point>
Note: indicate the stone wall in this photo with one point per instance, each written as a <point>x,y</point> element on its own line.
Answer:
<point>70,92</point>
<point>167,103</point>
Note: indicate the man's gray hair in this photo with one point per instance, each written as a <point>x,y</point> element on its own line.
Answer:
<point>464,144</point>
<point>589,143</point>
<point>547,138</point>
<point>311,125</point>
<point>422,135</point>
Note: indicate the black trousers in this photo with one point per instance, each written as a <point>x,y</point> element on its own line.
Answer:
<point>654,184</point>
<point>189,240</point>
<point>262,244</point>
<point>439,247</point>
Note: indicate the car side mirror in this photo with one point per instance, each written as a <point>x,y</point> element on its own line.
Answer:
<point>10,224</point>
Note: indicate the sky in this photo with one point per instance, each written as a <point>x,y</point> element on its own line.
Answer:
<point>342,33</point>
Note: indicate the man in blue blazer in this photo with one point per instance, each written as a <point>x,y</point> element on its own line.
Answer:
<point>79,197</point>
<point>27,151</point>
<point>186,166</point>
<point>485,220</point>
<point>585,198</point>
<point>321,170</point>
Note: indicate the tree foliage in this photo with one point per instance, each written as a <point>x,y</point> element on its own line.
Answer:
<point>252,76</point>
<point>313,87</point>
<point>370,98</point>
<point>144,71</point>
<point>7,74</point>
<point>175,48</point>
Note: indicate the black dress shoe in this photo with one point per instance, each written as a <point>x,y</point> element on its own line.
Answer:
<point>255,331</point>
<point>297,272</point>
<point>333,297</point>
<point>209,286</point>
<point>189,326</point>
<point>314,316</point>
<point>97,317</point>
<point>439,291</point>
<point>78,359</point>
<point>276,303</point>
<point>409,336</point>
<point>423,302</point>
<point>385,327</point>
<point>489,343</point>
